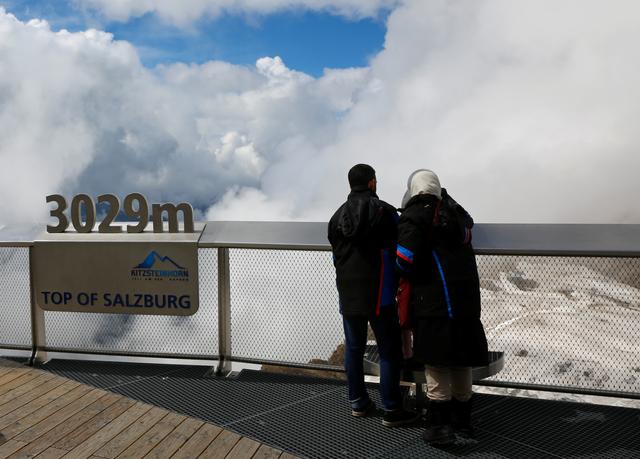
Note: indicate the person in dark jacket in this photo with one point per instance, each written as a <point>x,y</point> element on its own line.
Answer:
<point>439,280</point>
<point>363,233</point>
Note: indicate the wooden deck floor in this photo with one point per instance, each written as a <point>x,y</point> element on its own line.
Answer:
<point>46,417</point>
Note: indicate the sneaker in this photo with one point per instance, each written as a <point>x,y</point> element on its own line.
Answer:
<point>399,418</point>
<point>367,409</point>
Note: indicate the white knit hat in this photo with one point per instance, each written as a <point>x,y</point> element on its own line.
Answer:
<point>422,181</point>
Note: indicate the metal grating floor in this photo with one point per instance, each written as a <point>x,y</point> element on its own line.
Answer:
<point>309,417</point>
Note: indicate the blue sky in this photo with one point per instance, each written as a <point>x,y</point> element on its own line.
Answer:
<point>306,41</point>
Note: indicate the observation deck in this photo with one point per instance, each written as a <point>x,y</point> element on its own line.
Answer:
<point>561,302</point>
<point>183,412</point>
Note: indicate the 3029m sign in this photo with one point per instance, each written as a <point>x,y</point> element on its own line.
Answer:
<point>136,207</point>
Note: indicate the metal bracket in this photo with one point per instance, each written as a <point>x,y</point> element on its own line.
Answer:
<point>38,333</point>
<point>224,313</point>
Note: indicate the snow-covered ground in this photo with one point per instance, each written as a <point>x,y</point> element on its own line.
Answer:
<point>566,322</point>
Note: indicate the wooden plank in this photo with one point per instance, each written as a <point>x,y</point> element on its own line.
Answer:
<point>267,452</point>
<point>60,416</point>
<point>44,412</point>
<point>33,412</point>
<point>77,420</point>
<point>52,453</point>
<point>15,371</point>
<point>155,435</point>
<point>80,434</point>
<point>24,388</point>
<point>198,442</point>
<point>6,389</point>
<point>245,448</point>
<point>175,439</point>
<point>124,439</point>
<point>30,396</point>
<point>4,370</point>
<point>13,374</point>
<point>10,447</point>
<point>9,364</point>
<point>37,403</point>
<point>221,446</point>
<point>95,441</point>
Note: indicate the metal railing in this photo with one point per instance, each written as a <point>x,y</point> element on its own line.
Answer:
<point>561,301</point>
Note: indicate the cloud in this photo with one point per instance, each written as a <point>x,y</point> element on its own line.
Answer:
<point>184,12</point>
<point>525,111</point>
<point>79,113</point>
<point>255,206</point>
<point>47,137</point>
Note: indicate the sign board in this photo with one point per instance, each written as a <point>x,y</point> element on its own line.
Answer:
<point>119,274</point>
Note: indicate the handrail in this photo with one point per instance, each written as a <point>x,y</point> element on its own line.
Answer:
<point>265,235</point>
<point>565,240</point>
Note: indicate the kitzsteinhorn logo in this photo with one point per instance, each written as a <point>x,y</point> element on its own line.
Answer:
<point>155,266</point>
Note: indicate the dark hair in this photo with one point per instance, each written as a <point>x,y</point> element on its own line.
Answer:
<point>360,175</point>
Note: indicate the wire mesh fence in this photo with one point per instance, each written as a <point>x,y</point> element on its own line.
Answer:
<point>283,306</point>
<point>15,298</point>
<point>560,321</point>
<point>570,322</point>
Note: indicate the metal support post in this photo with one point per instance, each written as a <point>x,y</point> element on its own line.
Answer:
<point>38,333</point>
<point>224,313</point>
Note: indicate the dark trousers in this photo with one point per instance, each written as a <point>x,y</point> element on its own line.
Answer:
<point>387,332</point>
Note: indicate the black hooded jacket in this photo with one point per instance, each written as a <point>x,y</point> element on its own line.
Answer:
<point>363,235</point>
<point>436,256</point>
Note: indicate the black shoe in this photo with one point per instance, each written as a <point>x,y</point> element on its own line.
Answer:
<point>461,418</point>
<point>439,435</point>
<point>439,431</point>
<point>399,418</point>
<point>367,409</point>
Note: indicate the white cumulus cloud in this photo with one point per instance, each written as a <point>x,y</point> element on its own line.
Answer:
<point>184,12</point>
<point>526,111</point>
<point>79,113</point>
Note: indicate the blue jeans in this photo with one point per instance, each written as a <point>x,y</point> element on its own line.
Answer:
<point>387,332</point>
